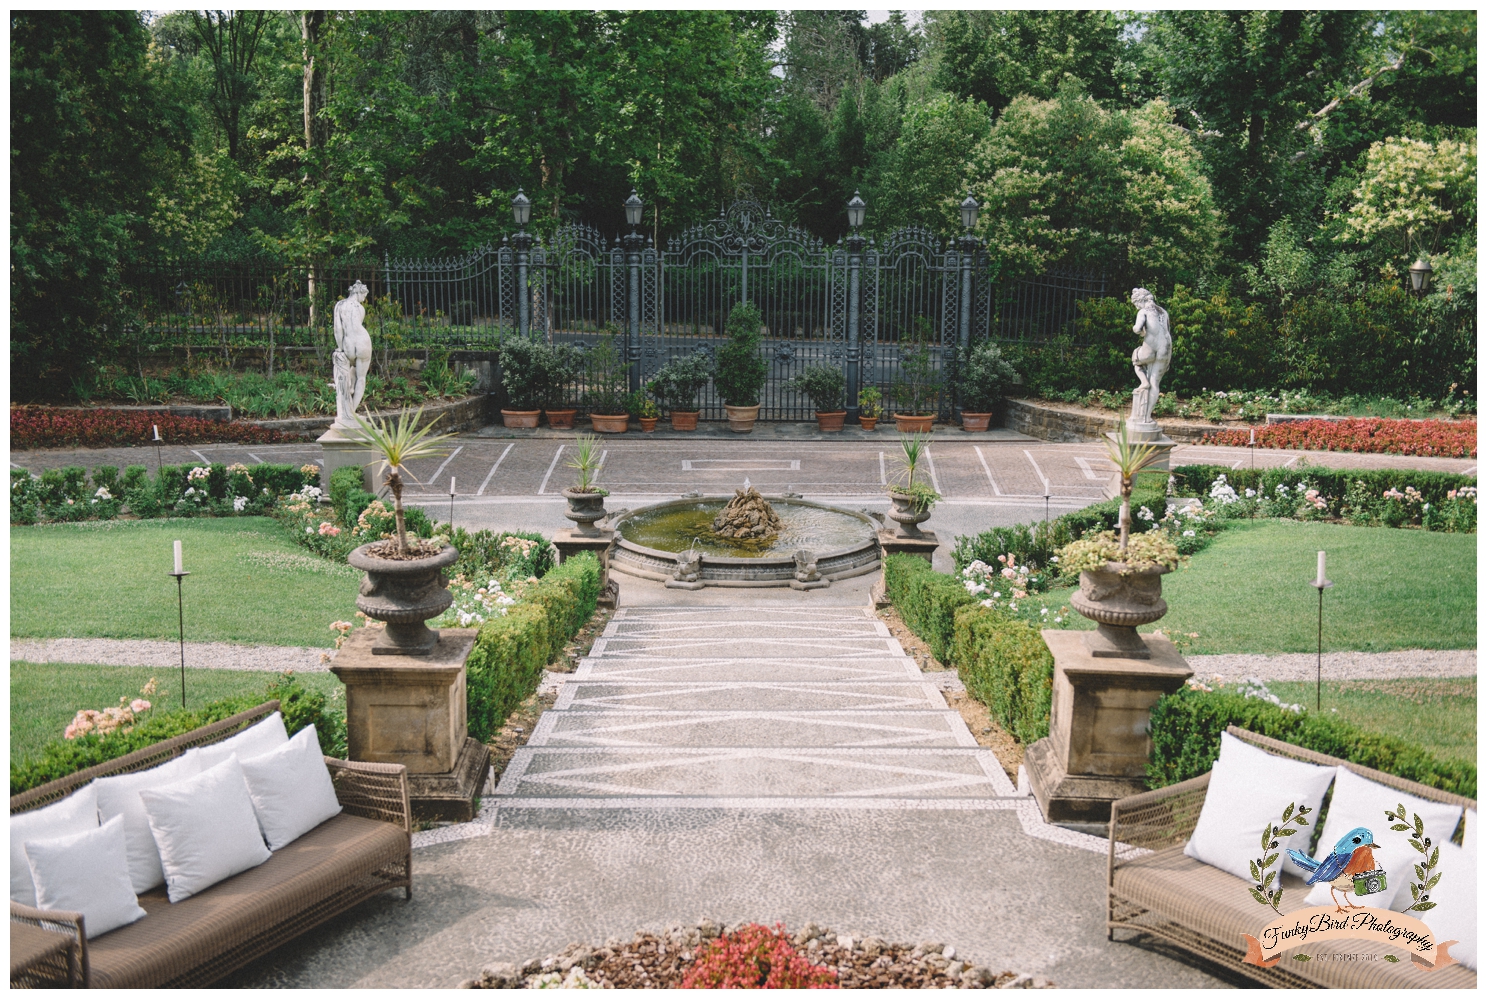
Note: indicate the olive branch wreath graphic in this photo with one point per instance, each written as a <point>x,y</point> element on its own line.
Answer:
<point>1425,880</point>
<point>1270,853</point>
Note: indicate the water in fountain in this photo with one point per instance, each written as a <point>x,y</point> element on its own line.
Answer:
<point>678,527</point>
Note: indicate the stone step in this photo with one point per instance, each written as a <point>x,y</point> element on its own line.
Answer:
<point>744,612</point>
<point>622,776</point>
<point>757,645</point>
<point>759,695</point>
<point>700,729</point>
<point>778,669</point>
<point>745,629</point>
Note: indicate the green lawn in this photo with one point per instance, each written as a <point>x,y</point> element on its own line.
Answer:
<point>45,696</point>
<point>1437,714</point>
<point>249,582</point>
<point>1249,591</point>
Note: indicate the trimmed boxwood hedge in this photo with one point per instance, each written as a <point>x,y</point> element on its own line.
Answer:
<point>506,664</point>
<point>1006,665</point>
<point>926,600</point>
<point>1185,729</point>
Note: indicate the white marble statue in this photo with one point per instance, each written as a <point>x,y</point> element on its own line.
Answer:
<point>352,357</point>
<point>1151,359</point>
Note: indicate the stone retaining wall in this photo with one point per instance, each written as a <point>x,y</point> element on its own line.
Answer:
<point>457,415</point>
<point>1053,422</point>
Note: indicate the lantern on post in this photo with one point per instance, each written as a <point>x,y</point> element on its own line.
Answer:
<point>634,208</point>
<point>521,211</point>
<point>1420,272</point>
<point>521,208</point>
<point>633,243</point>
<point>970,210</point>
<point>856,210</point>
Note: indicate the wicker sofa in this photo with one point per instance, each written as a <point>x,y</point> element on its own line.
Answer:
<point>1155,888</point>
<point>362,852</point>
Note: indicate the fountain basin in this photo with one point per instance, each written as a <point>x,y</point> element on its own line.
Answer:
<point>649,540</point>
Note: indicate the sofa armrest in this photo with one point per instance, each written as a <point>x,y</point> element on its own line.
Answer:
<point>1156,820</point>
<point>372,790</point>
<point>37,961</point>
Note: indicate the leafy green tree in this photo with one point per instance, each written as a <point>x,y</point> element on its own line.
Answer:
<point>1412,196</point>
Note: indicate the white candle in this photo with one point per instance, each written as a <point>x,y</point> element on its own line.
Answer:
<point>1251,436</point>
<point>178,556</point>
<point>1321,568</point>
<point>451,485</point>
<point>156,428</point>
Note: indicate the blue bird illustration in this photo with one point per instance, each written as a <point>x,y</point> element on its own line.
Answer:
<point>1353,854</point>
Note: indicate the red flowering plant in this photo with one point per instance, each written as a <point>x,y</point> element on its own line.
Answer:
<point>32,428</point>
<point>1438,438</point>
<point>756,957</point>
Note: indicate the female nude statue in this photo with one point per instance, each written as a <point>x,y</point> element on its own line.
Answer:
<point>1151,359</point>
<point>352,357</point>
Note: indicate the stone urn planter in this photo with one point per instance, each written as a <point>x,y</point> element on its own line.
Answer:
<point>975,422</point>
<point>906,514</point>
<point>908,424</point>
<point>610,424</point>
<point>868,422</point>
<point>584,509</point>
<point>560,419</point>
<point>684,421</point>
<point>648,424</point>
<point>520,419</point>
<point>741,418</point>
<point>403,593</point>
<point>830,423</point>
<point>1119,597</point>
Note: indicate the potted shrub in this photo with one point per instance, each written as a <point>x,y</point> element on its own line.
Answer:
<point>524,373</point>
<point>982,380</point>
<point>824,384</point>
<point>405,583</point>
<point>643,408</point>
<point>585,499</point>
<point>916,392</point>
<point>605,375</point>
<point>741,368</point>
<point>563,364</point>
<point>677,384</point>
<point>912,498</point>
<point>869,407</point>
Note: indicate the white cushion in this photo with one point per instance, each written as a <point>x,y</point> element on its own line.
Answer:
<point>120,796</point>
<point>86,873</point>
<point>1248,790</point>
<point>1358,801</point>
<point>255,740</point>
<point>1455,896</point>
<point>78,812</point>
<point>291,789</point>
<point>205,828</point>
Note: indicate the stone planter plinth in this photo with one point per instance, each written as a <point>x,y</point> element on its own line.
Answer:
<point>404,594</point>
<point>1118,598</point>
<point>411,711</point>
<point>570,542</point>
<point>1098,742</point>
<point>1149,434</point>
<point>339,450</point>
<point>924,545</point>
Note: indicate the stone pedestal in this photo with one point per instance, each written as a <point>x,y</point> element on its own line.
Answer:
<point>411,710</point>
<point>337,451</point>
<point>1149,434</point>
<point>923,546</point>
<point>570,542</point>
<point>1098,742</point>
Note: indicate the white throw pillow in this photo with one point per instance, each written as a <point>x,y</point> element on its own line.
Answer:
<point>1455,896</point>
<point>1359,802</point>
<point>1248,790</point>
<point>205,828</point>
<point>86,873</point>
<point>120,796</point>
<point>255,740</point>
<point>291,789</point>
<point>76,813</point>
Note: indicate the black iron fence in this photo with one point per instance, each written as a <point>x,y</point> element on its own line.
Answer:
<point>858,305</point>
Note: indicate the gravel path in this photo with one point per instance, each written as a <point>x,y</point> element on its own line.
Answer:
<point>141,652</point>
<point>1339,665</point>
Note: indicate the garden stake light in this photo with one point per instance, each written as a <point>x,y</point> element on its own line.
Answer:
<point>181,574</point>
<point>156,427</point>
<point>1252,448</point>
<point>451,504</point>
<point>1323,584</point>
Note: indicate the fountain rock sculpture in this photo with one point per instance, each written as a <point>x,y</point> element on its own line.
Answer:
<point>747,515</point>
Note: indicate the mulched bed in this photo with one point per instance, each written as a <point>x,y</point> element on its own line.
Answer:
<point>1435,438</point>
<point>32,428</point>
<point>417,549</point>
<point>661,961</point>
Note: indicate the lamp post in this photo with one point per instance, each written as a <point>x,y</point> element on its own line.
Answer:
<point>521,211</point>
<point>1323,584</point>
<point>633,244</point>
<point>856,212</point>
<point>970,210</point>
<point>1420,272</point>
<point>180,574</point>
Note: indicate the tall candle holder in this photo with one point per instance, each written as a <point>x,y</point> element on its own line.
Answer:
<point>1323,584</point>
<point>180,574</point>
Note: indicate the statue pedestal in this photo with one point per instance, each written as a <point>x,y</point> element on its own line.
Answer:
<point>1149,434</point>
<point>569,542</point>
<point>411,710</point>
<point>339,451</point>
<point>1098,741</point>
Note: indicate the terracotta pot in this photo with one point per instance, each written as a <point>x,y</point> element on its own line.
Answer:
<point>1119,597</point>
<point>684,421</point>
<point>583,510</point>
<point>520,419</point>
<point>560,419</point>
<point>741,418</point>
<point>906,514</point>
<point>647,423</point>
<point>404,594</point>
<point>868,422</point>
<point>610,424</point>
<point>975,422</point>
<point>913,424</point>
<point>829,423</point>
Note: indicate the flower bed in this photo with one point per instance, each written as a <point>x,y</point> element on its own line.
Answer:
<point>750,956</point>
<point>1435,438</point>
<point>60,428</point>
<point>67,494</point>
